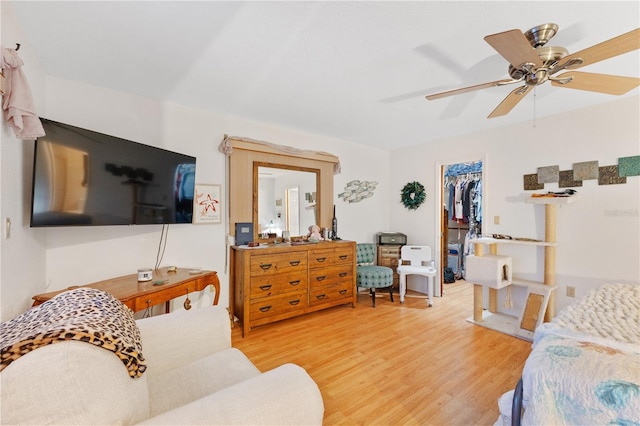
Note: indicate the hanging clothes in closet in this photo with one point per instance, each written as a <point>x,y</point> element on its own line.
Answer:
<point>463,192</point>
<point>463,196</point>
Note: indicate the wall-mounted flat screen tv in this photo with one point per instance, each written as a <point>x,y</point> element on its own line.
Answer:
<point>86,178</point>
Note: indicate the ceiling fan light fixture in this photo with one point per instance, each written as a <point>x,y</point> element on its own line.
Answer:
<point>540,35</point>
<point>537,77</point>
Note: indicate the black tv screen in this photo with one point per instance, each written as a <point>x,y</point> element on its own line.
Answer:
<point>86,178</point>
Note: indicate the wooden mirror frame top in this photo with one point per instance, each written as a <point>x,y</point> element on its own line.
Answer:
<point>243,192</point>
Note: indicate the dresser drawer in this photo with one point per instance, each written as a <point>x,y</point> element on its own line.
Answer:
<point>389,262</point>
<point>270,285</point>
<point>333,256</point>
<point>389,251</point>
<point>269,264</point>
<point>330,275</point>
<point>276,305</point>
<point>331,293</point>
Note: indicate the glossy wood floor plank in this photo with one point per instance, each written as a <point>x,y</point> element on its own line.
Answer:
<point>396,364</point>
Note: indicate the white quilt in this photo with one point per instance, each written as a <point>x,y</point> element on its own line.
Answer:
<point>584,368</point>
<point>569,381</point>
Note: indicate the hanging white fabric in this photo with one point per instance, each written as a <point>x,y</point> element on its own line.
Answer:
<point>17,104</point>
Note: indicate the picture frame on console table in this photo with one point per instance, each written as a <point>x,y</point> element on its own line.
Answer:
<point>207,204</point>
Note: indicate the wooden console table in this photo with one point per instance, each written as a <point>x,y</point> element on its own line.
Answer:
<point>142,295</point>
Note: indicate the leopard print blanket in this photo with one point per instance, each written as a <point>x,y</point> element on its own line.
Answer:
<point>83,314</point>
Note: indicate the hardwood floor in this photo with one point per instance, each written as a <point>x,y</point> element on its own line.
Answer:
<point>396,364</point>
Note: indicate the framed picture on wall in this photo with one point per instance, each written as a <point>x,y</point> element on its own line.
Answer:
<point>207,204</point>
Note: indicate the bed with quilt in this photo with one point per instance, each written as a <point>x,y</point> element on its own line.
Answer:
<point>584,367</point>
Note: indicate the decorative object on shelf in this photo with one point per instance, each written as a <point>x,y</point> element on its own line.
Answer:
<point>334,225</point>
<point>314,233</point>
<point>356,191</point>
<point>413,195</point>
<point>565,193</point>
<point>207,207</point>
<point>244,233</point>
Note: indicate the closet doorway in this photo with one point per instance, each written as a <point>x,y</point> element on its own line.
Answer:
<point>461,215</point>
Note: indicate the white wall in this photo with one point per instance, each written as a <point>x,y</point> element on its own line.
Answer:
<point>23,254</point>
<point>598,235</point>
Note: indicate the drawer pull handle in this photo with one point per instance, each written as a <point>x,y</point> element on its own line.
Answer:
<point>321,259</point>
<point>296,282</point>
<point>265,287</point>
<point>321,296</point>
<point>294,302</point>
<point>265,266</point>
<point>265,308</point>
<point>343,257</point>
<point>342,274</point>
<point>321,278</point>
<point>343,292</point>
<point>294,262</point>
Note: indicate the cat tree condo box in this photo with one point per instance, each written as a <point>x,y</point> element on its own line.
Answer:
<point>491,270</point>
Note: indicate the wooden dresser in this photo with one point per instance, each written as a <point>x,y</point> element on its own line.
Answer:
<point>280,281</point>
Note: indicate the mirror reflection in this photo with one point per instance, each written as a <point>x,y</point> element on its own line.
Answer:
<point>287,200</point>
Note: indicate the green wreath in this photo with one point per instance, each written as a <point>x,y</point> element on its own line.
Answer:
<point>413,195</point>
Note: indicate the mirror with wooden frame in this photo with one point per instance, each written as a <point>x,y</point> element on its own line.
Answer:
<point>246,156</point>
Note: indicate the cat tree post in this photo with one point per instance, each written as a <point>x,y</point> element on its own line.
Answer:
<point>550,257</point>
<point>477,288</point>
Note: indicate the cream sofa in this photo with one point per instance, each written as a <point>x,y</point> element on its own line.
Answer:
<point>193,376</point>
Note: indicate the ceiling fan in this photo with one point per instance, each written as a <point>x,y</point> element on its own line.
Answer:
<point>533,63</point>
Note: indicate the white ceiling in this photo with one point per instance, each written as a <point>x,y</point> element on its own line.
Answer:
<point>356,71</point>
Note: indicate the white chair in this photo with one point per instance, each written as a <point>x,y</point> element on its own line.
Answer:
<point>416,260</point>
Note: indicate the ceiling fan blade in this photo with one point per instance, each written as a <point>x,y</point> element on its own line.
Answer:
<point>607,49</point>
<point>510,101</point>
<point>514,47</point>
<point>602,83</point>
<point>470,89</point>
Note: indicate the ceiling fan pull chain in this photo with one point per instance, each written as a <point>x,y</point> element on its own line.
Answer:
<point>535,95</point>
